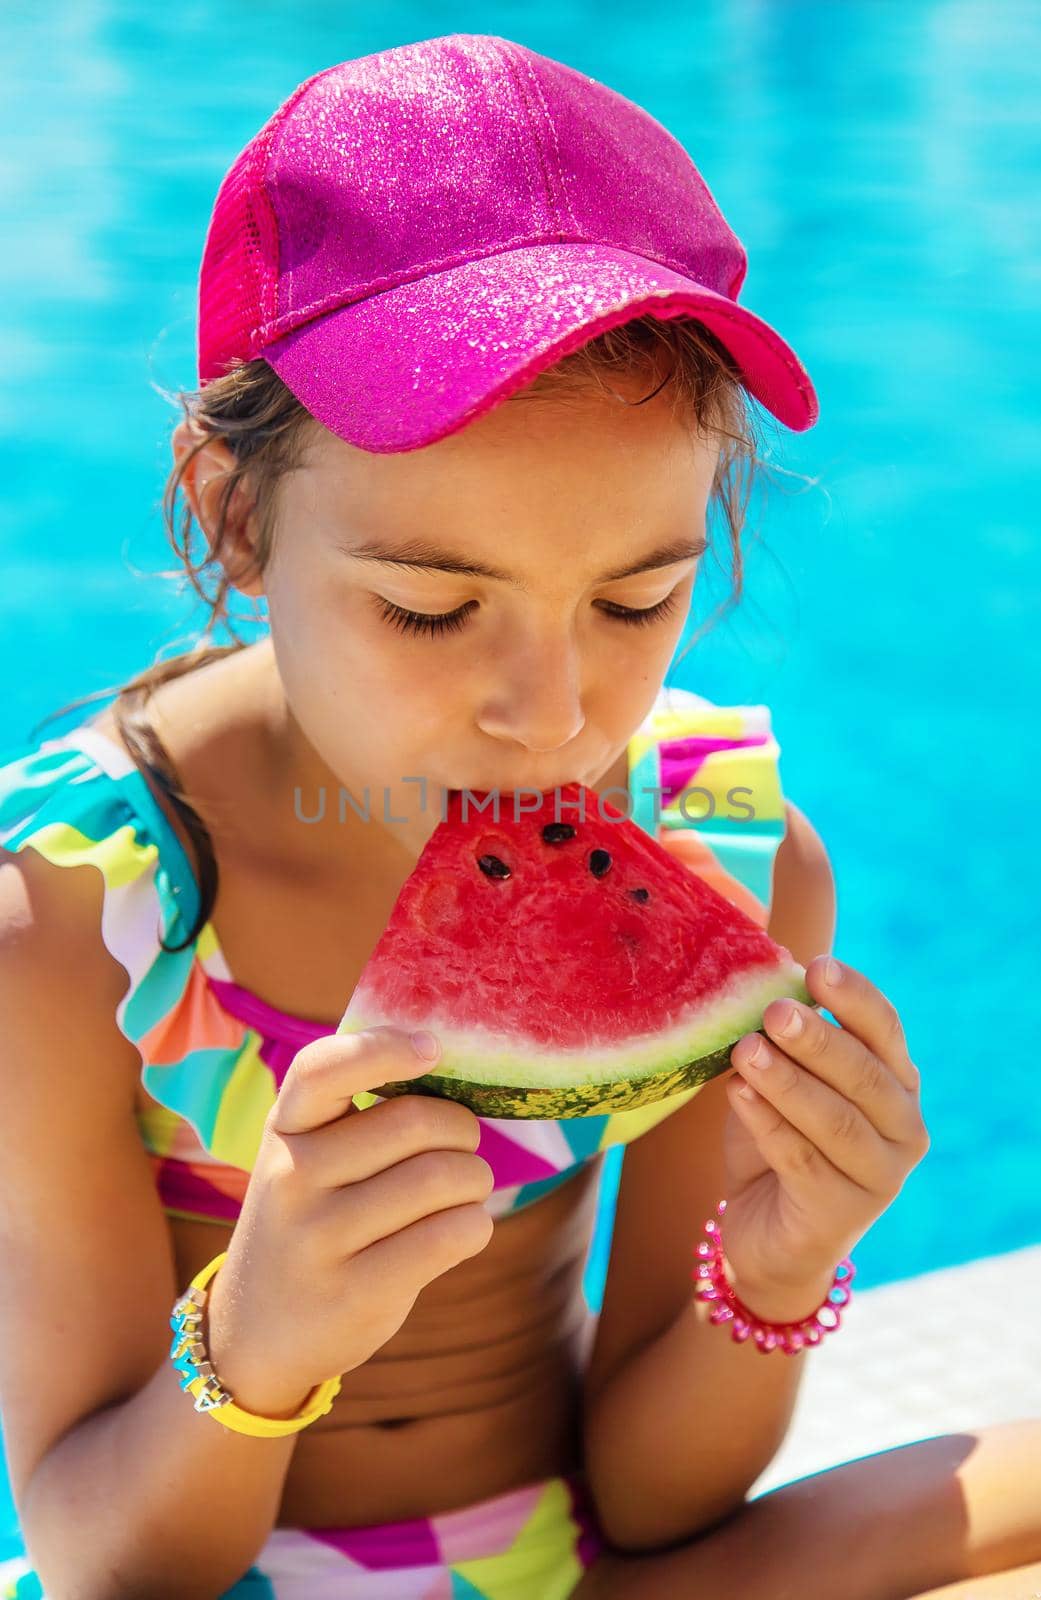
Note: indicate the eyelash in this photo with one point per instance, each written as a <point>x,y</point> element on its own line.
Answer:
<point>452,621</point>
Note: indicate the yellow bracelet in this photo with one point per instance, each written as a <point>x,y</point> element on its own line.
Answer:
<point>190,1357</point>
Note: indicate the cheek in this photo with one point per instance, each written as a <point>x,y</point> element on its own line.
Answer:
<point>625,697</point>
<point>345,669</point>
<point>322,626</point>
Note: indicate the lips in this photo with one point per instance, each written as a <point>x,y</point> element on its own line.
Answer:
<point>509,788</point>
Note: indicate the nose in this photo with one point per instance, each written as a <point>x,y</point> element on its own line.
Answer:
<point>535,697</point>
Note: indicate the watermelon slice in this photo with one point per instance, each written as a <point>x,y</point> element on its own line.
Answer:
<point>567,963</point>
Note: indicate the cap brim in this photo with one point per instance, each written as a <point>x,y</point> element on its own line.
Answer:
<point>414,364</point>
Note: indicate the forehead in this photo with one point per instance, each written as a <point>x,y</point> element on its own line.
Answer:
<point>558,495</point>
<point>534,447</point>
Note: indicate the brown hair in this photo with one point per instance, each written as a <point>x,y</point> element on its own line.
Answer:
<point>267,430</point>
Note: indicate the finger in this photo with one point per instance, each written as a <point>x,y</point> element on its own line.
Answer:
<point>790,1153</point>
<point>824,1123</point>
<point>434,1180</point>
<point>326,1074</point>
<point>419,1254</point>
<point>844,1062</point>
<point>349,1152</point>
<point>862,1008</point>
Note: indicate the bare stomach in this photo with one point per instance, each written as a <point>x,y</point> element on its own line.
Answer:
<point>478,1392</point>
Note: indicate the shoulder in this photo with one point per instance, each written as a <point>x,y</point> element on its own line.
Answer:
<point>72,850</point>
<point>59,980</point>
<point>116,932</point>
<point>802,848</point>
<point>803,899</point>
<point>726,814</point>
<point>724,749</point>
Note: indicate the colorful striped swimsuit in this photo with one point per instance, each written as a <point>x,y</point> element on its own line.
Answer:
<point>214,1055</point>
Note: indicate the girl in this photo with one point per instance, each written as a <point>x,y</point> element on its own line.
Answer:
<point>472,377</point>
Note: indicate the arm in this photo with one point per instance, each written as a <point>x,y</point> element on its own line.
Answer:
<point>122,1488</point>
<point>679,1419</point>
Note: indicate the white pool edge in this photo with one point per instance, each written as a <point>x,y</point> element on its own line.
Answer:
<point>946,1351</point>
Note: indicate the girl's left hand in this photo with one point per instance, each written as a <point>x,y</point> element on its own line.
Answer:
<point>823,1150</point>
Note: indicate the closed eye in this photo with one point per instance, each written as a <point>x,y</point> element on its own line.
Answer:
<point>451,621</point>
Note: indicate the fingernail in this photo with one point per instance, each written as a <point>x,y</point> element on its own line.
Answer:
<point>832,971</point>
<point>425,1045</point>
<point>790,1026</point>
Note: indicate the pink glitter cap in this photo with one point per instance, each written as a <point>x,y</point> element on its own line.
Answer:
<point>414,235</point>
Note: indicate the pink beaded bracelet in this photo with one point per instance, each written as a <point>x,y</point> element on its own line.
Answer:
<point>790,1337</point>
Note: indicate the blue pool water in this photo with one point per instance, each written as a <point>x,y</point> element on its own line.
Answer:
<point>880,164</point>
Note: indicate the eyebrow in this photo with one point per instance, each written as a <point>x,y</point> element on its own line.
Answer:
<point>418,555</point>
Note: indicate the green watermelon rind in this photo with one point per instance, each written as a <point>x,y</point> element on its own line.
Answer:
<point>482,1071</point>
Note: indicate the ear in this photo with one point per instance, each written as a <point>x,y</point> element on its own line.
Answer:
<point>203,481</point>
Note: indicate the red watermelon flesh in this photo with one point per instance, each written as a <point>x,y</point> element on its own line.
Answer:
<point>568,964</point>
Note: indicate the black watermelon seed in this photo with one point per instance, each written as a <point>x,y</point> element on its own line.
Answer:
<point>493,867</point>
<point>599,863</point>
<point>643,895</point>
<point>557,832</point>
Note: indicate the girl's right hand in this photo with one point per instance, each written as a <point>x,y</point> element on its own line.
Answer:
<point>346,1217</point>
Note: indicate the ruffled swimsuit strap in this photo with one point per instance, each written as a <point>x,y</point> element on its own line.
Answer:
<point>704,779</point>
